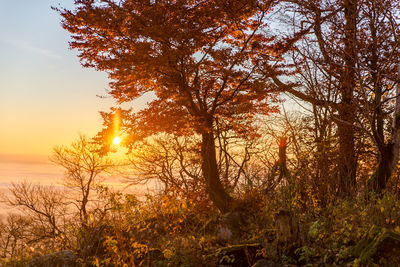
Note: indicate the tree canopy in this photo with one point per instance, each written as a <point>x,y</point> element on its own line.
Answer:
<point>201,60</point>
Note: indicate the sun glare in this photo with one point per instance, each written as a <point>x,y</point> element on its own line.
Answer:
<point>117,140</point>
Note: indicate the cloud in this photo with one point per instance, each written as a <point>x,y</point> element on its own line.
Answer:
<point>28,46</point>
<point>43,51</point>
<point>23,159</point>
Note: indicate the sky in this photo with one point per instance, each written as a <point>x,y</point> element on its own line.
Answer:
<point>46,97</point>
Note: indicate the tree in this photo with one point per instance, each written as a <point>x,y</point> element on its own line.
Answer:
<point>170,160</point>
<point>199,58</point>
<point>331,28</point>
<point>59,219</point>
<point>83,164</point>
<point>44,214</point>
<point>379,86</point>
<point>351,47</point>
<point>13,237</point>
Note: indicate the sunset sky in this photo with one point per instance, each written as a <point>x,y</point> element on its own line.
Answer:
<point>46,97</point>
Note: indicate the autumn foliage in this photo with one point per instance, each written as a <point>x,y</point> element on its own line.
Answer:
<point>240,173</point>
<point>199,59</point>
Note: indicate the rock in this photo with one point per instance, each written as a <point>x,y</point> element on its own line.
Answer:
<point>378,246</point>
<point>224,233</point>
<point>234,220</point>
<point>92,240</point>
<point>239,255</point>
<point>64,258</point>
<point>230,225</point>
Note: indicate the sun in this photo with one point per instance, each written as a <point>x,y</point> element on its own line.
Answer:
<point>116,140</point>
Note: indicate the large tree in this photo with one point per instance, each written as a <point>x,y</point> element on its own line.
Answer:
<point>331,27</point>
<point>379,86</point>
<point>352,48</point>
<point>83,166</point>
<point>199,59</point>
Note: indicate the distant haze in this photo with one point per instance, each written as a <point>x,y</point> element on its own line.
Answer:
<point>37,169</point>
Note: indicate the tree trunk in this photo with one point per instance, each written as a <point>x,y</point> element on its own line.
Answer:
<point>283,170</point>
<point>388,153</point>
<point>382,173</point>
<point>214,187</point>
<point>347,156</point>
<point>287,232</point>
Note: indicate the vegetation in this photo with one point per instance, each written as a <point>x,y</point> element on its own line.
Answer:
<point>243,182</point>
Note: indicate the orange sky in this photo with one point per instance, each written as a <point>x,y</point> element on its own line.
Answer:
<point>46,97</point>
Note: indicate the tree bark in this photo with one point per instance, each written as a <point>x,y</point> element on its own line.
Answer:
<point>347,155</point>
<point>283,170</point>
<point>382,173</point>
<point>221,199</point>
<point>287,232</point>
<point>388,153</point>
